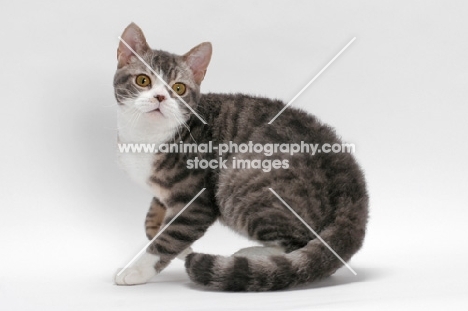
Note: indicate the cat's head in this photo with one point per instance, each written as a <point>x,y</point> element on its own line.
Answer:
<point>140,91</point>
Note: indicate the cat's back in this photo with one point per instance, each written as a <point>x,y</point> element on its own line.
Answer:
<point>241,117</point>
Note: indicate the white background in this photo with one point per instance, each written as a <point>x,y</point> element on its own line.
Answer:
<point>69,217</point>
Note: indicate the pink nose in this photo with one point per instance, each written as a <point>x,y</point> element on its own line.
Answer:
<point>160,98</point>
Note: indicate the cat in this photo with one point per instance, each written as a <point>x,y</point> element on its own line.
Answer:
<point>327,190</point>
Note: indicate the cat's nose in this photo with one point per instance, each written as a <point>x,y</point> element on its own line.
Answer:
<point>160,98</point>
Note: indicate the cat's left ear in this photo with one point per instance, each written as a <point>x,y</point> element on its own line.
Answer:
<point>198,59</point>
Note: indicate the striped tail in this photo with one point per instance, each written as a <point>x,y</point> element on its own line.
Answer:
<point>253,273</point>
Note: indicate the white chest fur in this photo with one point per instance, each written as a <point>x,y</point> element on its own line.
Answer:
<point>140,165</point>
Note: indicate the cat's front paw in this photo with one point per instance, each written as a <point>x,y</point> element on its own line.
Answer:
<point>140,273</point>
<point>134,276</point>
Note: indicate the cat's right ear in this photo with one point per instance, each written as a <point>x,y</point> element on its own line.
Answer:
<point>135,38</point>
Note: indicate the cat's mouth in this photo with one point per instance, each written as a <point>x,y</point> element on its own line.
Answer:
<point>156,110</point>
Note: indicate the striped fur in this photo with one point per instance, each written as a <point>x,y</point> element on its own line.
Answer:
<point>327,190</point>
<point>154,218</point>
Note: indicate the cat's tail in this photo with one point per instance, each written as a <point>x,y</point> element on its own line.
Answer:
<point>262,273</point>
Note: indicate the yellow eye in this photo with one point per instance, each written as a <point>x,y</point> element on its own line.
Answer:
<point>143,80</point>
<point>179,88</point>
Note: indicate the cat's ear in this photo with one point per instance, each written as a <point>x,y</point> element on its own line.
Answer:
<point>198,59</point>
<point>135,38</point>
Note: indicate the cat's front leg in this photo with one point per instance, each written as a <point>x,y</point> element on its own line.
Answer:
<point>174,241</point>
<point>143,269</point>
<point>154,220</point>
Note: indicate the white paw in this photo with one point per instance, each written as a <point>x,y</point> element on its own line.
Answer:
<point>259,251</point>
<point>184,253</point>
<point>133,276</point>
<point>141,272</point>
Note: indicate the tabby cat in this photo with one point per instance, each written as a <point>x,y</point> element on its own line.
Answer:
<point>327,190</point>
